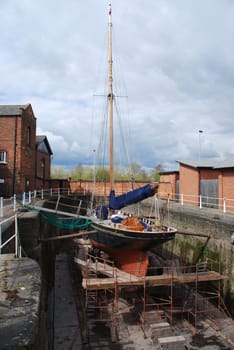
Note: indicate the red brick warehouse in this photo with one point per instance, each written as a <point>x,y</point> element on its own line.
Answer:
<point>25,158</point>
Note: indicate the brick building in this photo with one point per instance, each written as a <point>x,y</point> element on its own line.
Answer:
<point>207,180</point>
<point>24,157</point>
<point>42,162</point>
<point>169,184</point>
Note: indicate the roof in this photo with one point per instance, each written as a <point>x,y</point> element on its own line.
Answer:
<point>207,163</point>
<point>167,172</point>
<point>40,139</point>
<point>228,163</point>
<point>9,110</point>
<point>204,163</point>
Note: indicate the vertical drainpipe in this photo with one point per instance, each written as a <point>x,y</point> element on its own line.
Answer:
<point>14,161</point>
<point>199,185</point>
<point>220,195</point>
<point>35,173</point>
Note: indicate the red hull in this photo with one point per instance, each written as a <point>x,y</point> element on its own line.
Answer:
<point>132,261</point>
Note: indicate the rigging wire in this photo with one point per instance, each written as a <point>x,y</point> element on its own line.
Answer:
<point>95,104</point>
<point>121,130</point>
<point>123,135</point>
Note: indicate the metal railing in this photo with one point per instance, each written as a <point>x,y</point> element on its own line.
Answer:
<point>42,194</point>
<point>15,236</point>
<point>221,203</point>
<point>13,203</point>
<point>7,204</point>
<point>226,205</point>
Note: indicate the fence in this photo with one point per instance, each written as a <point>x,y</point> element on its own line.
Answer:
<point>14,236</point>
<point>224,204</point>
<point>11,205</point>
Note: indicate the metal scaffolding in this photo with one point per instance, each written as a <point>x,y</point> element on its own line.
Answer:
<point>168,293</point>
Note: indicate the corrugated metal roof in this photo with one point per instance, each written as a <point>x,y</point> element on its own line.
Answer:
<point>207,163</point>
<point>8,110</point>
<point>227,163</point>
<point>203,163</point>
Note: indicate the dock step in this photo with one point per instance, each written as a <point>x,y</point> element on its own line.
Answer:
<point>172,342</point>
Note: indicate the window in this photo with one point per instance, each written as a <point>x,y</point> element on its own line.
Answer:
<point>3,157</point>
<point>27,183</point>
<point>43,168</point>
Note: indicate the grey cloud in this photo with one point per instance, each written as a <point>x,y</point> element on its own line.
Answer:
<point>176,59</point>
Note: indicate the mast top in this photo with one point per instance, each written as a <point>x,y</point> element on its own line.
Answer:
<point>110,12</point>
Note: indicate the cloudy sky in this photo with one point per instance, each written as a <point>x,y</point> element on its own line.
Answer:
<point>175,59</point>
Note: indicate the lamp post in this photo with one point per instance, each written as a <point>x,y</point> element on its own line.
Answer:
<point>200,132</point>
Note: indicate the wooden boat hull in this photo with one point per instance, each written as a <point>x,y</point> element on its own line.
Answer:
<point>109,237</point>
<point>128,248</point>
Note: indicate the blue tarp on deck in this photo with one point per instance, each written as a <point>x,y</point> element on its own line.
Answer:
<point>131,197</point>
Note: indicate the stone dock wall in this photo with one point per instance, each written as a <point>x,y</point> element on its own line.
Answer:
<point>191,244</point>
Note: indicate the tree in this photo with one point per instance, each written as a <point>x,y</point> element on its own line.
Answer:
<point>102,174</point>
<point>155,174</point>
<point>143,176</point>
<point>135,171</point>
<point>77,173</point>
<point>58,172</point>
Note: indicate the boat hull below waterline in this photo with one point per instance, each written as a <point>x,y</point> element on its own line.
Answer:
<point>128,247</point>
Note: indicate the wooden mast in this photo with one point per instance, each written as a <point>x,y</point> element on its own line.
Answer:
<point>110,100</point>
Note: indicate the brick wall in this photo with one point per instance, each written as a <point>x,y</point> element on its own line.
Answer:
<point>43,163</point>
<point>208,174</point>
<point>189,184</point>
<point>167,185</point>
<point>26,151</point>
<point>18,139</point>
<point>103,188</point>
<point>226,188</point>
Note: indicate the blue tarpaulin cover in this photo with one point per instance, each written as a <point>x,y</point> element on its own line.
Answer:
<point>131,197</point>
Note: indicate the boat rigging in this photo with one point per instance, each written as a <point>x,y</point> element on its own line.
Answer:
<point>125,238</point>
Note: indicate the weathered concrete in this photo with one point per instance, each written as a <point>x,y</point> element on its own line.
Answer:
<point>20,283</point>
<point>30,231</point>
<point>193,219</point>
<point>66,323</point>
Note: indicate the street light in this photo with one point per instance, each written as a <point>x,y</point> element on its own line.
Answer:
<point>200,132</point>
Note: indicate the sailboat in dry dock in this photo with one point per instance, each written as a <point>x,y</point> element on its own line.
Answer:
<point>125,238</point>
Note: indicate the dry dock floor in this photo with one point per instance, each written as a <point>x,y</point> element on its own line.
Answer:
<point>19,305</point>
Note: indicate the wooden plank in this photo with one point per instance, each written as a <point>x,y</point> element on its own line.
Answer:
<point>200,277</point>
<point>184,278</point>
<point>163,280</point>
<point>72,235</point>
<point>107,270</point>
<point>119,277</point>
<point>106,283</point>
<point>58,212</point>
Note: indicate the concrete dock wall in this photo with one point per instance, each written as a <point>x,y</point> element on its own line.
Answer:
<point>20,286</point>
